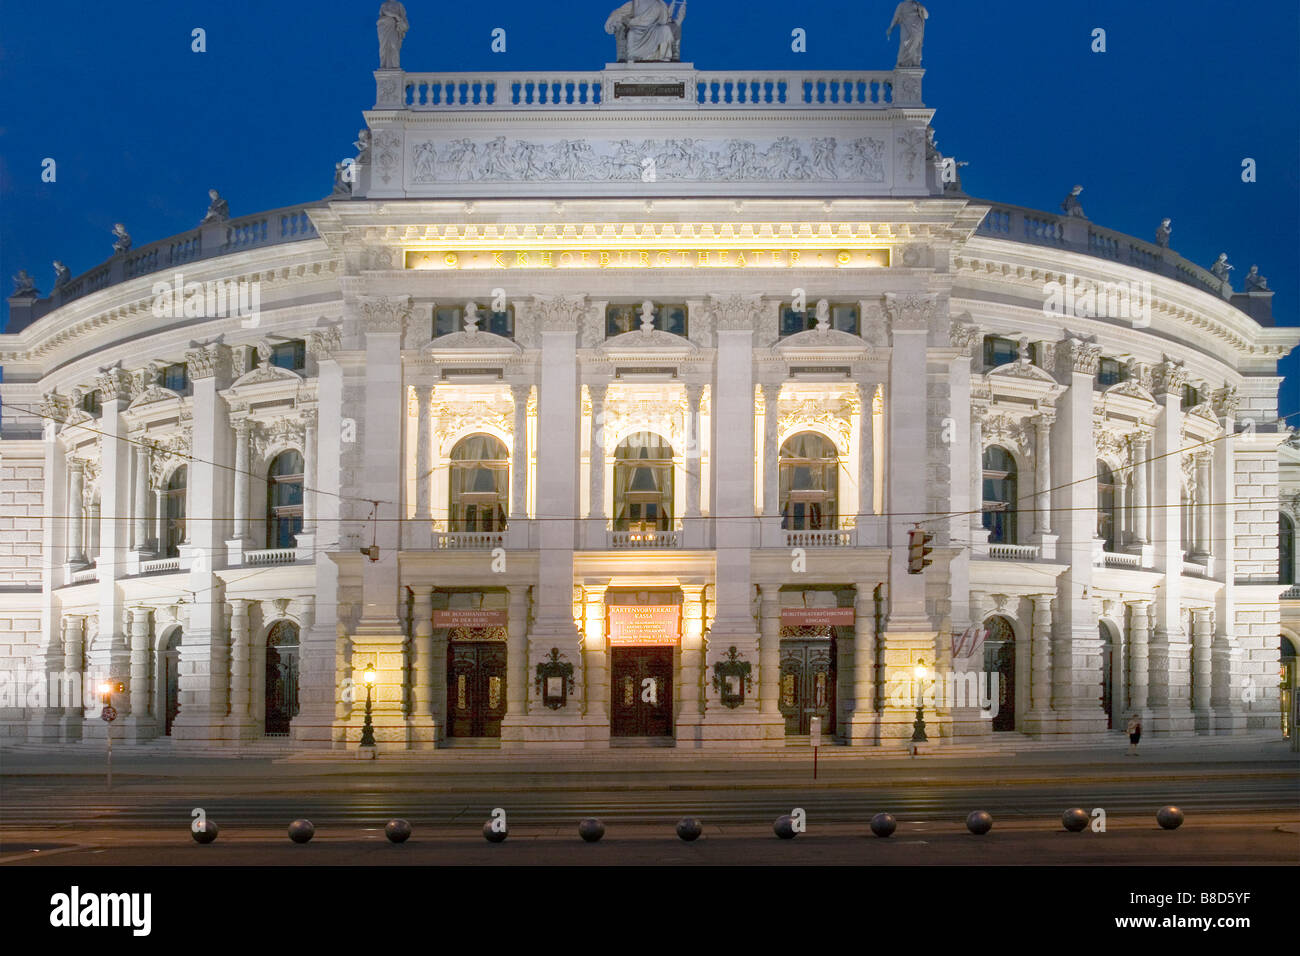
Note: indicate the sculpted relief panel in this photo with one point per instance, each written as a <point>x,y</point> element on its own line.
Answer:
<point>784,159</point>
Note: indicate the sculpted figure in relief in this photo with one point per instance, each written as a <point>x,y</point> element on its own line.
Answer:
<point>909,17</point>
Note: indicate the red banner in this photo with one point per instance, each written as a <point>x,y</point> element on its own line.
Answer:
<point>645,625</point>
<point>467,617</point>
<point>817,616</point>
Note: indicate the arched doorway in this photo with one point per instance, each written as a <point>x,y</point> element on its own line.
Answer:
<point>1000,489</point>
<point>808,673</point>
<point>478,486</point>
<point>284,485</point>
<point>1000,665</point>
<point>1285,550</point>
<point>282,668</point>
<point>1287,685</point>
<point>1110,674</point>
<point>169,676</point>
<point>643,484</point>
<point>808,482</point>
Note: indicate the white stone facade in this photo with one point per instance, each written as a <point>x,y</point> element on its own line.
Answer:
<point>641,453</point>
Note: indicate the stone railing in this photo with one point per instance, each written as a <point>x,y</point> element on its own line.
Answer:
<point>1118,559</point>
<point>819,539</point>
<point>668,87</point>
<point>1291,594</point>
<point>160,566</point>
<point>271,556</point>
<point>84,575</point>
<point>1073,234</point>
<point>469,540</point>
<point>619,540</point>
<point>1011,552</point>
<point>288,224</point>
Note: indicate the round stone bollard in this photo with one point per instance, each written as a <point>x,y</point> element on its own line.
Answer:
<point>689,828</point>
<point>301,831</point>
<point>397,831</point>
<point>591,829</point>
<point>1171,818</point>
<point>206,833</point>
<point>784,827</point>
<point>1075,819</point>
<point>979,822</point>
<point>497,836</point>
<point>883,824</point>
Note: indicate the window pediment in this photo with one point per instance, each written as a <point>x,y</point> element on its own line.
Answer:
<point>822,339</point>
<point>639,340</point>
<point>477,340</point>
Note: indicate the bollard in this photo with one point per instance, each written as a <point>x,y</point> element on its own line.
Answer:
<point>689,828</point>
<point>1075,819</point>
<point>397,831</point>
<point>205,833</point>
<point>591,829</point>
<point>784,827</point>
<point>979,822</point>
<point>883,824</point>
<point>493,835</point>
<point>1171,818</point>
<point>301,831</point>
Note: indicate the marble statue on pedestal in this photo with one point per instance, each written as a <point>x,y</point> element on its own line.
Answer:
<point>1071,205</point>
<point>392,26</point>
<point>1255,282</point>
<point>1221,268</point>
<point>218,209</point>
<point>121,238</point>
<point>910,19</point>
<point>61,274</point>
<point>363,147</point>
<point>24,284</point>
<point>647,31</point>
<point>341,185</point>
<point>1162,233</point>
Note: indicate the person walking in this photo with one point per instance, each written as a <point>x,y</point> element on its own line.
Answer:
<point>1134,734</point>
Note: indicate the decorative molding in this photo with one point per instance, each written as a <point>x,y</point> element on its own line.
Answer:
<point>1169,377</point>
<point>323,342</point>
<point>115,384</point>
<point>966,336</point>
<point>560,313</point>
<point>1077,354</point>
<point>910,311</point>
<point>736,312</point>
<point>208,361</point>
<point>1225,401</point>
<point>385,314</point>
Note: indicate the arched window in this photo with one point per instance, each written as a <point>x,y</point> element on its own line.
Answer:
<point>284,500</point>
<point>174,513</point>
<point>480,476</point>
<point>1106,523</point>
<point>809,482</point>
<point>1000,495</point>
<point>1285,550</point>
<point>281,677</point>
<point>643,483</point>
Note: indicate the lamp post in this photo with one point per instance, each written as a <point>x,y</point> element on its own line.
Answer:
<point>920,671</point>
<point>368,729</point>
<point>107,714</point>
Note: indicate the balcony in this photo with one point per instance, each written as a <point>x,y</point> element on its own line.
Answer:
<point>621,540</point>
<point>1118,559</point>
<point>819,539</point>
<point>269,556</point>
<point>1291,594</point>
<point>1010,552</point>
<point>160,566</point>
<point>468,540</point>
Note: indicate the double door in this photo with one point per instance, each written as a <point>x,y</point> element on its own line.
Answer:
<point>807,685</point>
<point>641,691</point>
<point>476,688</point>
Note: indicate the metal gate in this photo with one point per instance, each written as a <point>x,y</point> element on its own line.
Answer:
<point>808,685</point>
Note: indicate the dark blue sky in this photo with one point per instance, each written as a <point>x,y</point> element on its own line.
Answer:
<point>1157,126</point>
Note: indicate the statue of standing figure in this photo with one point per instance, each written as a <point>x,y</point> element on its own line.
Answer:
<point>647,31</point>
<point>1163,232</point>
<point>392,25</point>
<point>121,238</point>
<point>61,274</point>
<point>910,19</point>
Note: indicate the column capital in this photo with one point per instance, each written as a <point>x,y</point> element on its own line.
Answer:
<point>385,315</point>
<point>910,311</point>
<point>1077,355</point>
<point>560,313</point>
<point>1168,378</point>
<point>966,336</point>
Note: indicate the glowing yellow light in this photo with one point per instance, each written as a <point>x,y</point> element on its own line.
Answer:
<point>369,675</point>
<point>921,671</point>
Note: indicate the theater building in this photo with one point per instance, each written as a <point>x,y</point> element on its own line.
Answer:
<point>595,409</point>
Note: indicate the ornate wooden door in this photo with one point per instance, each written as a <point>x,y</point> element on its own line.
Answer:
<point>807,685</point>
<point>476,688</point>
<point>641,692</point>
<point>1000,665</point>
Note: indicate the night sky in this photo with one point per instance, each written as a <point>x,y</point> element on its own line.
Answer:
<point>1157,126</point>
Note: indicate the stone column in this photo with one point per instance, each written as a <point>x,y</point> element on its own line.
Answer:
<point>866,452</point>
<point>423,720</point>
<point>1202,547</point>
<point>517,652</point>
<point>1040,663</point>
<point>74,647</point>
<point>1169,684</point>
<point>1043,474</point>
<point>424,456</point>
<point>1121,509</point>
<point>141,723</point>
<point>771,452</point>
<point>596,505</point>
<point>141,506</point>
<point>693,451</point>
<point>243,429</point>
<point>310,481</point>
<point>160,520</point>
<point>76,511</point>
<point>1138,666</point>
<point>1140,451</point>
<point>692,675</point>
<point>519,454</point>
<point>978,533</point>
<point>769,653</point>
<point>862,721</point>
<point>240,668</point>
<point>594,652</point>
<point>1202,668</point>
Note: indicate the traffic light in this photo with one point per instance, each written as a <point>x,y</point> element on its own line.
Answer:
<point>917,549</point>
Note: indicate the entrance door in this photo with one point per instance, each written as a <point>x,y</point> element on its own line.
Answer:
<point>641,691</point>
<point>476,688</point>
<point>170,672</point>
<point>1000,664</point>
<point>1107,675</point>
<point>281,677</point>
<point>808,685</point>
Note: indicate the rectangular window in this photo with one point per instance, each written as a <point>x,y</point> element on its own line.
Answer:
<point>668,317</point>
<point>792,322</point>
<point>844,317</point>
<point>92,402</point>
<point>501,323</point>
<point>1191,397</point>
<point>1109,372</point>
<point>290,355</point>
<point>999,352</point>
<point>176,377</point>
<point>449,320</point>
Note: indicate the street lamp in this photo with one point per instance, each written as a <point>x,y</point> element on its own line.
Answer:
<point>107,714</point>
<point>368,729</point>
<point>921,672</point>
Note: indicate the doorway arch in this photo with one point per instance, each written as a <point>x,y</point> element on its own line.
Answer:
<point>169,678</point>
<point>282,672</point>
<point>1287,678</point>
<point>1000,663</point>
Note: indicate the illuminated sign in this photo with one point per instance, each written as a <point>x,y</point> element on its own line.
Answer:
<point>644,625</point>
<point>464,617</point>
<point>653,258</point>
<point>817,616</point>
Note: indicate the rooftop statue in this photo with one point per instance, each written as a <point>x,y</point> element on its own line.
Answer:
<point>218,209</point>
<point>910,19</point>
<point>1162,233</point>
<point>363,147</point>
<point>647,31</point>
<point>24,284</point>
<point>1221,268</point>
<point>341,185</point>
<point>392,25</point>
<point>121,238</point>
<point>1071,205</point>
<point>61,274</point>
<point>1256,282</point>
